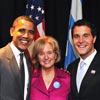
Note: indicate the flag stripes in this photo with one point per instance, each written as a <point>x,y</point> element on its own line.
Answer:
<point>75,14</point>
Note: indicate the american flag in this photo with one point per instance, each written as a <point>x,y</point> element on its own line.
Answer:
<point>35,9</point>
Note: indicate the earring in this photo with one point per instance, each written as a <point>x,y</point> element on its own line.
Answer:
<point>56,57</point>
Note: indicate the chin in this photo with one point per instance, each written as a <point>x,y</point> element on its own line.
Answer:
<point>23,49</point>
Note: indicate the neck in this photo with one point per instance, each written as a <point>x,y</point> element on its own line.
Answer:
<point>48,71</point>
<point>84,56</point>
<point>48,76</point>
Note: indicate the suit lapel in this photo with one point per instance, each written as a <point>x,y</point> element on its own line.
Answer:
<point>14,66</point>
<point>52,87</point>
<point>15,70</point>
<point>74,72</point>
<point>90,74</point>
<point>59,75</point>
<point>39,83</point>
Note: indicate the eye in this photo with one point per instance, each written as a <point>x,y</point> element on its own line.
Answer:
<point>76,36</point>
<point>41,54</point>
<point>31,32</point>
<point>22,31</point>
<point>86,35</point>
<point>50,52</point>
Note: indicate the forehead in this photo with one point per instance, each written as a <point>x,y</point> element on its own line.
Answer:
<point>81,30</point>
<point>24,23</point>
<point>46,46</point>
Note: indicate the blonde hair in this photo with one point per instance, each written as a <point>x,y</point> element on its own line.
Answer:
<point>39,45</point>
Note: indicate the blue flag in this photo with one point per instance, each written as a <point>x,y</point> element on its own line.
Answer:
<point>75,14</point>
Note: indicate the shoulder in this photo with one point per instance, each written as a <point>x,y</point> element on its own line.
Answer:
<point>4,50</point>
<point>97,56</point>
<point>63,77</point>
<point>36,73</point>
<point>96,59</point>
<point>72,65</point>
<point>74,62</point>
<point>62,73</point>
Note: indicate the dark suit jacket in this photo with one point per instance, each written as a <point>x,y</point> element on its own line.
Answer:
<point>10,78</point>
<point>90,86</point>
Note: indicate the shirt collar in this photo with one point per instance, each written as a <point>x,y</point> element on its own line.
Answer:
<point>89,59</point>
<point>15,50</point>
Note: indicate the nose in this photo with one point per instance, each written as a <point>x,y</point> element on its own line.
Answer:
<point>81,39</point>
<point>26,34</point>
<point>46,56</point>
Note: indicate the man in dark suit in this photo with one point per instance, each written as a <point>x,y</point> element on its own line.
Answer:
<point>84,37</point>
<point>22,32</point>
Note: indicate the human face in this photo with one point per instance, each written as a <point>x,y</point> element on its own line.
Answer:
<point>83,41</point>
<point>47,57</point>
<point>23,34</point>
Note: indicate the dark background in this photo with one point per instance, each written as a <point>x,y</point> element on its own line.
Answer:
<point>56,18</point>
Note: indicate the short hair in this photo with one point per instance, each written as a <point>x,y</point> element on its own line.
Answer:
<point>27,18</point>
<point>39,45</point>
<point>83,22</point>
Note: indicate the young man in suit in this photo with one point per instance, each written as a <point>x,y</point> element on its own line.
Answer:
<point>84,37</point>
<point>22,32</point>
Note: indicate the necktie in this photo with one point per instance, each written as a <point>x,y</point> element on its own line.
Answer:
<point>80,75</point>
<point>22,70</point>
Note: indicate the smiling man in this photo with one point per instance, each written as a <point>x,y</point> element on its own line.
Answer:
<point>85,79</point>
<point>11,86</point>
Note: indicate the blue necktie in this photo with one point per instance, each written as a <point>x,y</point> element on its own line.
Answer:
<point>80,75</point>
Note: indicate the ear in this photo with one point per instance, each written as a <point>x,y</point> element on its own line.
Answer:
<point>94,39</point>
<point>11,31</point>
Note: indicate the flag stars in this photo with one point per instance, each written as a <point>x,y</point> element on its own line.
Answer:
<point>32,7</point>
<point>39,9</point>
<point>37,18</point>
<point>42,11</point>
<point>27,6</point>
<point>30,16</point>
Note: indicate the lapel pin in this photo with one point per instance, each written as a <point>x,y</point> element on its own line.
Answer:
<point>93,71</point>
<point>56,85</point>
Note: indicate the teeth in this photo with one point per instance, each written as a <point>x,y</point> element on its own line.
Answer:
<point>24,41</point>
<point>46,61</point>
<point>81,46</point>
